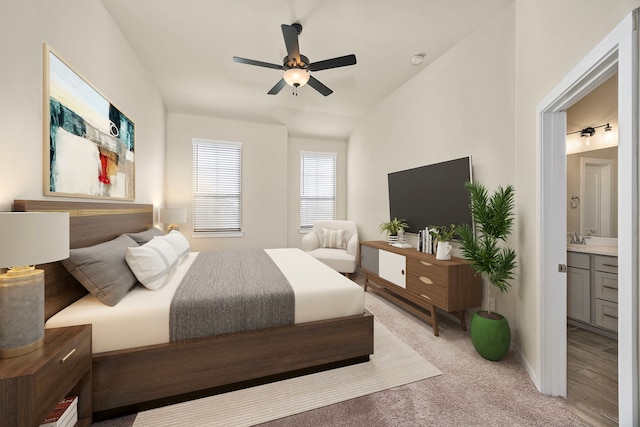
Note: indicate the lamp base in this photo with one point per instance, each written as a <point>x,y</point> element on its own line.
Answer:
<point>21,313</point>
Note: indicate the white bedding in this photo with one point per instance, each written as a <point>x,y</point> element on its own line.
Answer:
<point>142,317</point>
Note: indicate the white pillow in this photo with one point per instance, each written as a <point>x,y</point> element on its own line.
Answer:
<point>152,262</point>
<point>333,239</point>
<point>178,242</point>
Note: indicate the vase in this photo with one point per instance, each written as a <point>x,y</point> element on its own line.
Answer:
<point>443,251</point>
<point>490,336</point>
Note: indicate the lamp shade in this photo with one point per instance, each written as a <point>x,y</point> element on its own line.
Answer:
<point>173,215</point>
<point>296,77</point>
<point>30,238</point>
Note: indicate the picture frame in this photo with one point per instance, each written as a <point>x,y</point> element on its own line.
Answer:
<point>89,143</point>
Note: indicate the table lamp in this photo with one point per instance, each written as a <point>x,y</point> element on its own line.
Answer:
<point>173,217</point>
<point>28,238</point>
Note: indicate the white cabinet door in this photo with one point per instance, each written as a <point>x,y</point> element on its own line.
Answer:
<point>393,268</point>
<point>579,294</point>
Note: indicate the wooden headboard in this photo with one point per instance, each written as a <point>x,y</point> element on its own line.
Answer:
<point>89,223</point>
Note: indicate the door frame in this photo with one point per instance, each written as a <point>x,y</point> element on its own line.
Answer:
<point>618,52</point>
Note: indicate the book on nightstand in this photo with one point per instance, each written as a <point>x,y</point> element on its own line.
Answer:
<point>64,414</point>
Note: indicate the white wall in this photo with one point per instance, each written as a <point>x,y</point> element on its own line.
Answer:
<point>296,145</point>
<point>462,104</point>
<point>264,177</point>
<point>552,37</point>
<point>83,33</point>
<point>480,99</point>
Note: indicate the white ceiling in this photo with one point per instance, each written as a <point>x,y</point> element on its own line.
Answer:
<point>187,46</point>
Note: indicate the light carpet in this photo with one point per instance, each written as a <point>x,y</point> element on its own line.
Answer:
<point>393,364</point>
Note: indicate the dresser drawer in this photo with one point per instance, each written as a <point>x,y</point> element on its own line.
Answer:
<point>421,268</point>
<point>606,263</point>
<point>433,293</point>
<point>607,314</point>
<point>606,286</point>
<point>71,362</point>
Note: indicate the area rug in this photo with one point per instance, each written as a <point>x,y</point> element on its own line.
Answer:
<point>393,364</point>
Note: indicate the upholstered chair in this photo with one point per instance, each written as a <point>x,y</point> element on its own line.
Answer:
<point>335,243</point>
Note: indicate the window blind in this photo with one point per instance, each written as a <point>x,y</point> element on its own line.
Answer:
<point>217,186</point>
<point>317,187</point>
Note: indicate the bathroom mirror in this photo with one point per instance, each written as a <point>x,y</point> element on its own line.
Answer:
<point>592,192</point>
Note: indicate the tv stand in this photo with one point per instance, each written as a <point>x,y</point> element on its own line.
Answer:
<point>419,282</point>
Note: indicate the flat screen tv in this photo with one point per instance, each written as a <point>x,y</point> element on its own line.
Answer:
<point>431,195</point>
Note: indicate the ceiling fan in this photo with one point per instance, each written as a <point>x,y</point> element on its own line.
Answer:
<point>297,67</point>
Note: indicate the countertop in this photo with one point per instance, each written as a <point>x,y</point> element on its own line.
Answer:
<point>594,249</point>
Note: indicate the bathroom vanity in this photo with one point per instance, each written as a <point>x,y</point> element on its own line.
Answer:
<point>592,288</point>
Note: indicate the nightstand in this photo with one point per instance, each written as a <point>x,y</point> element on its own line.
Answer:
<point>31,385</point>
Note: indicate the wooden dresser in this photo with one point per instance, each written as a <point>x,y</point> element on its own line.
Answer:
<point>419,282</point>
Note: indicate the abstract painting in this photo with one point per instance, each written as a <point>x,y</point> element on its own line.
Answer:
<point>89,143</point>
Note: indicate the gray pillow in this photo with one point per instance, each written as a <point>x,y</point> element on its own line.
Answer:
<point>145,236</point>
<point>102,269</point>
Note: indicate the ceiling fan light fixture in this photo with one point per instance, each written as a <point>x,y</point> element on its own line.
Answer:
<point>296,77</point>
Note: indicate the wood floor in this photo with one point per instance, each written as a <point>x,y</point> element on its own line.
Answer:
<point>592,377</point>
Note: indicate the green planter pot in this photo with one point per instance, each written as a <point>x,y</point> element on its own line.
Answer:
<point>490,337</point>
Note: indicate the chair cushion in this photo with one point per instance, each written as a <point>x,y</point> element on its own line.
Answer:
<point>338,259</point>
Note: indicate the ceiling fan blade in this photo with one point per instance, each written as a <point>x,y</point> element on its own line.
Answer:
<point>290,34</point>
<point>315,83</point>
<point>278,87</point>
<point>341,61</point>
<point>257,63</point>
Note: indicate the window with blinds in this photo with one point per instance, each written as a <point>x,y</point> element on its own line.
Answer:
<point>217,186</point>
<point>317,188</point>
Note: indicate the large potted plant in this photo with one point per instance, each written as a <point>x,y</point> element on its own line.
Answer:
<point>493,218</point>
<point>392,228</point>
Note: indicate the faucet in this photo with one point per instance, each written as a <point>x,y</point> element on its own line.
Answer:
<point>575,239</point>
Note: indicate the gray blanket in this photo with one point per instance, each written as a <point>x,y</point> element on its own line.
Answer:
<point>230,291</point>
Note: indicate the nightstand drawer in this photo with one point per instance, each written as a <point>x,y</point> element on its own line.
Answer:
<point>70,364</point>
<point>421,268</point>
<point>433,293</point>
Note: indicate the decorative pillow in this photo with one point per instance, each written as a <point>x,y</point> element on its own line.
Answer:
<point>102,269</point>
<point>145,236</point>
<point>179,243</point>
<point>152,262</point>
<point>333,239</point>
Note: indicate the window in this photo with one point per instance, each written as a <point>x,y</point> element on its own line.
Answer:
<point>217,187</point>
<point>317,188</point>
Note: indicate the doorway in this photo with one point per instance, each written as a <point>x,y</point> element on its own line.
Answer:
<point>591,167</point>
<point>618,52</point>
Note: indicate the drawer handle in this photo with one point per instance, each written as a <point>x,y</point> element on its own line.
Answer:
<point>428,264</point>
<point>402,272</point>
<point>610,316</point>
<point>424,296</point>
<point>64,359</point>
<point>610,265</point>
<point>426,280</point>
<point>609,287</point>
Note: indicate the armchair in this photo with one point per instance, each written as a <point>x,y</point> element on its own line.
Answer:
<point>339,250</point>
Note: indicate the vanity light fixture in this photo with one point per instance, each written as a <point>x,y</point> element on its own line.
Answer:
<point>591,130</point>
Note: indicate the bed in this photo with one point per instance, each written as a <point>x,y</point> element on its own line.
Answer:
<point>128,379</point>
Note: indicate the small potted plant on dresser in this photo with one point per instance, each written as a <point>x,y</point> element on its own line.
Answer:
<point>392,228</point>
<point>493,218</point>
<point>444,235</point>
